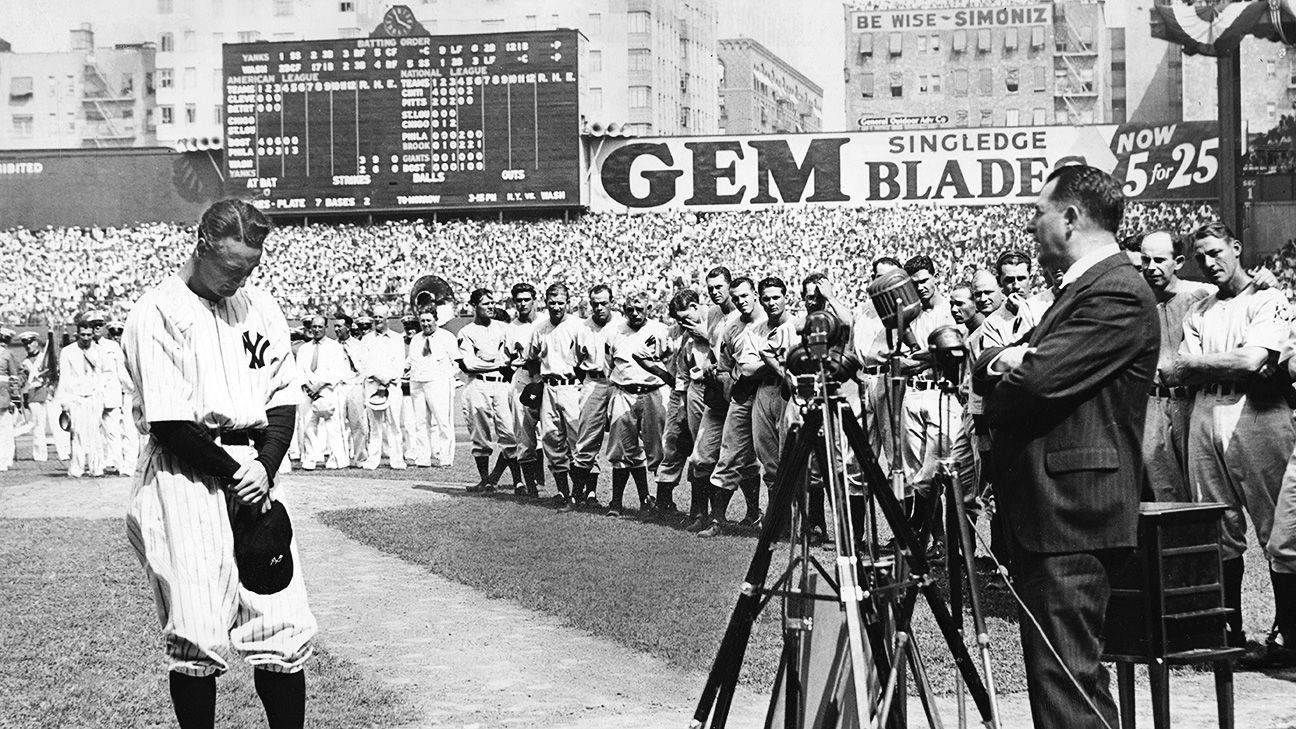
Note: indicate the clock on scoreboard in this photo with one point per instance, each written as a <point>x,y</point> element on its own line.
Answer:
<point>404,123</point>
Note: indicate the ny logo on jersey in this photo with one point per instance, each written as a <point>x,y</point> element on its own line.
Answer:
<point>256,349</point>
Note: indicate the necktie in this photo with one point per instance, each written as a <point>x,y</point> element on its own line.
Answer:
<point>427,346</point>
<point>350,362</point>
<point>315,358</point>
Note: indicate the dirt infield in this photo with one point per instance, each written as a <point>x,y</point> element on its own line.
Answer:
<point>466,660</point>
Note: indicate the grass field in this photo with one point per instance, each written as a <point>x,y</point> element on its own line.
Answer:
<point>82,647</point>
<point>640,584</point>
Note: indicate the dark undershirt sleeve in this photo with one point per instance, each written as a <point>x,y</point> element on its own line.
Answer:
<point>192,444</point>
<point>280,422</point>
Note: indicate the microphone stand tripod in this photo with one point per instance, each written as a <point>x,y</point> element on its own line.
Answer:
<point>861,698</point>
<point>960,553</point>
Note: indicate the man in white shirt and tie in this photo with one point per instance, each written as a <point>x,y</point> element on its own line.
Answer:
<point>384,357</point>
<point>355,424</point>
<point>80,393</point>
<point>431,366</point>
<point>323,365</point>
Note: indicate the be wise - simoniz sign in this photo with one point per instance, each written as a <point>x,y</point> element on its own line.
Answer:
<point>946,167</point>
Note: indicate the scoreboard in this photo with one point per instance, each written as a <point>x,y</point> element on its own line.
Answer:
<point>406,123</point>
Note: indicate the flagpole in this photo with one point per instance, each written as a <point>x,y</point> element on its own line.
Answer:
<point>1229,90</point>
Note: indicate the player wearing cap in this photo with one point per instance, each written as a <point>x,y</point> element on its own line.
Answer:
<point>116,395</point>
<point>1240,430</point>
<point>40,368</point>
<point>595,393</point>
<point>323,367</point>
<point>525,429</point>
<point>771,414</point>
<point>708,385</point>
<point>486,402</point>
<point>384,357</point>
<point>355,423</point>
<point>15,379</point>
<point>217,386</point>
<point>635,349</point>
<point>431,367</point>
<point>677,433</point>
<point>80,394</point>
<point>553,347</point>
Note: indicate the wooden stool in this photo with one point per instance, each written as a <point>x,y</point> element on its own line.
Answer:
<point>1167,608</point>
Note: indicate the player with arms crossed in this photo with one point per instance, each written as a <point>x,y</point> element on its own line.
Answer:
<point>217,386</point>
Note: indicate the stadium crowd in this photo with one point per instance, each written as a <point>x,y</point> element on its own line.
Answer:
<point>322,267</point>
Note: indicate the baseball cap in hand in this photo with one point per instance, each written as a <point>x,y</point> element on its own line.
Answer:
<point>261,547</point>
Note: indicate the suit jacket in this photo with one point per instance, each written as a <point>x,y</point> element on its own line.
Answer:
<point>1068,423</point>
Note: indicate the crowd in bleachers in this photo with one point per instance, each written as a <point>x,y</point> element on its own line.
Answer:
<point>326,267</point>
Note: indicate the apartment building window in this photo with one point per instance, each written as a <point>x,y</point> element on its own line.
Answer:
<point>217,80</point>
<point>985,81</point>
<point>249,36</point>
<point>896,44</point>
<point>191,113</point>
<point>218,8</point>
<point>1271,109</point>
<point>1271,69</point>
<point>1041,78</point>
<point>168,114</point>
<point>935,42</point>
<point>959,82</point>
<point>922,43</point>
<point>190,40</point>
<point>21,89</point>
<point>922,83</point>
<point>595,61</point>
<point>1012,117</point>
<point>983,40</point>
<point>595,23</point>
<point>961,117</point>
<point>22,125</point>
<point>493,22</point>
<point>1010,81</point>
<point>164,7</point>
<point>190,77</point>
<point>866,85</point>
<point>166,43</point>
<point>164,78</point>
<point>218,40</point>
<point>637,21</point>
<point>960,40</point>
<point>1010,39</point>
<point>935,83</point>
<point>640,59</point>
<point>596,99</point>
<point>346,7</point>
<point>865,45</point>
<point>218,115</point>
<point>640,97</point>
<point>1038,117</point>
<point>283,8</point>
<point>987,118</point>
<point>897,85</point>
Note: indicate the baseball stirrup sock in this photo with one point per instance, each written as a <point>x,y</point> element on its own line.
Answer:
<point>483,467</point>
<point>619,478</point>
<point>640,476</point>
<point>560,481</point>
<point>1284,588</point>
<point>751,494</point>
<point>194,699</point>
<point>1233,569</point>
<point>697,498</point>
<point>720,502</point>
<point>515,471</point>
<point>284,697</point>
<point>665,494</point>
<point>579,479</point>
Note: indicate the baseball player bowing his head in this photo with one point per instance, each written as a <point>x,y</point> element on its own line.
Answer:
<point>217,388</point>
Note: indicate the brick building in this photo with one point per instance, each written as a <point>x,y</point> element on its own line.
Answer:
<point>966,63</point>
<point>761,93</point>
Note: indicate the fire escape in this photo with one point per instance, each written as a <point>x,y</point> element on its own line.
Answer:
<point>1075,66</point>
<point>104,103</point>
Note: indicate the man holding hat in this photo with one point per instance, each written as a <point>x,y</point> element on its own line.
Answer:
<point>116,389</point>
<point>130,441</point>
<point>384,356</point>
<point>355,427</point>
<point>10,393</point>
<point>80,395</point>
<point>410,325</point>
<point>39,395</point>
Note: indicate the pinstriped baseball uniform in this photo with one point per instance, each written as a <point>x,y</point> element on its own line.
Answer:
<point>595,393</point>
<point>554,346</point>
<point>525,425</point>
<point>221,365</point>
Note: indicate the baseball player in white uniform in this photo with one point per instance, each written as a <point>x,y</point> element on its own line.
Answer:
<point>518,335</point>
<point>486,398</point>
<point>1240,430</point>
<point>595,394</point>
<point>217,387</point>
<point>431,366</point>
<point>121,448</point>
<point>80,394</point>
<point>635,350</point>
<point>553,347</point>
<point>44,410</point>
<point>13,379</point>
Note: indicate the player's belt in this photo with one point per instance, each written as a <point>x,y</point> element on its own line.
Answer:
<point>594,374</point>
<point>1223,388</point>
<point>922,384</point>
<point>488,376</point>
<point>558,380</point>
<point>244,437</point>
<point>873,370</point>
<point>1174,393</point>
<point>769,380</point>
<point>637,389</point>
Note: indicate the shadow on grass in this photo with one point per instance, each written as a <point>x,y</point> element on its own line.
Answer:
<point>641,585</point>
<point>82,646</point>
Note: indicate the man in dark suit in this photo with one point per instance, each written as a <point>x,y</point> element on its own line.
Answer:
<point>1066,407</point>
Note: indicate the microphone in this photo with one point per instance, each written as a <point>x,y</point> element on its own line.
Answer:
<point>895,297</point>
<point>820,327</point>
<point>948,352</point>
